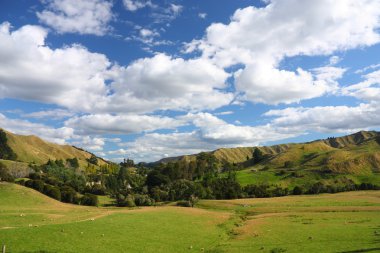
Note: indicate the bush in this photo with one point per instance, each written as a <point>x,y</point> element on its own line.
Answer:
<point>35,176</point>
<point>52,191</point>
<point>123,201</point>
<point>52,181</point>
<point>68,194</point>
<point>89,200</point>
<point>297,190</point>
<point>158,194</point>
<point>193,200</point>
<point>281,173</point>
<point>143,200</point>
<point>35,184</point>
<point>277,250</point>
<point>4,175</point>
<point>96,189</point>
<point>288,164</point>
<point>184,203</point>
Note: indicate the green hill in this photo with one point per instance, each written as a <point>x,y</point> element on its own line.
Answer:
<point>334,161</point>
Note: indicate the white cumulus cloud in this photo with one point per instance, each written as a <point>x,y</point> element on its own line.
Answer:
<point>83,17</point>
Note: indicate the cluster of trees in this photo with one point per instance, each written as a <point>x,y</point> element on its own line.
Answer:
<point>4,174</point>
<point>6,152</point>
<point>59,180</point>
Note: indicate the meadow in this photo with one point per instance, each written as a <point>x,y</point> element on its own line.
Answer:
<point>344,222</point>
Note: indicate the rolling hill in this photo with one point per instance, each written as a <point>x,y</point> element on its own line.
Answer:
<point>358,153</point>
<point>336,161</point>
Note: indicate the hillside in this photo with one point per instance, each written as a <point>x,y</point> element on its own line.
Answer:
<point>232,155</point>
<point>358,153</point>
<point>33,149</point>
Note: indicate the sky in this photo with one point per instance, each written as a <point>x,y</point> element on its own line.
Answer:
<point>148,79</point>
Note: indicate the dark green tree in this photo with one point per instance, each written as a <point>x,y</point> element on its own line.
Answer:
<point>93,160</point>
<point>73,162</point>
<point>258,155</point>
<point>6,152</point>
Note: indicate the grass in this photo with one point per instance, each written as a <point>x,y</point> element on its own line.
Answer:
<point>325,223</point>
<point>305,177</point>
<point>32,222</point>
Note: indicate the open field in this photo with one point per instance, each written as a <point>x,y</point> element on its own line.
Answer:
<point>344,222</point>
<point>254,175</point>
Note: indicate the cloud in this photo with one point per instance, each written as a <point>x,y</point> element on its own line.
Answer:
<point>225,113</point>
<point>71,77</point>
<point>368,90</point>
<point>260,38</point>
<point>334,60</point>
<point>55,114</point>
<point>327,119</point>
<point>120,124</point>
<point>265,84</point>
<point>82,81</point>
<point>83,17</point>
<point>149,37</point>
<point>56,135</point>
<point>88,143</point>
<point>134,5</point>
<point>166,13</point>
<point>370,67</point>
<point>202,15</point>
<point>176,9</point>
<point>167,83</point>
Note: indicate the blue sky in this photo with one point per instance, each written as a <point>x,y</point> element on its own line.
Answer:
<point>150,79</point>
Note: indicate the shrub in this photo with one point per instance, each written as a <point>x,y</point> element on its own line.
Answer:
<point>68,194</point>
<point>277,250</point>
<point>52,191</point>
<point>288,164</point>
<point>281,173</point>
<point>89,200</point>
<point>184,203</point>
<point>297,190</point>
<point>143,200</point>
<point>96,189</point>
<point>4,175</point>
<point>35,184</point>
<point>193,200</point>
<point>35,176</point>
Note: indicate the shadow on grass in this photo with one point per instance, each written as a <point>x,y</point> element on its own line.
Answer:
<point>361,250</point>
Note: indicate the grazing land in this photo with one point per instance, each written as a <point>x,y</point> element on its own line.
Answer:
<point>343,222</point>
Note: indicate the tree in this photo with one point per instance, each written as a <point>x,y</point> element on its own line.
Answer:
<point>297,190</point>
<point>6,152</point>
<point>52,191</point>
<point>4,175</point>
<point>257,155</point>
<point>89,200</point>
<point>155,178</point>
<point>93,160</point>
<point>68,194</point>
<point>288,164</point>
<point>73,162</point>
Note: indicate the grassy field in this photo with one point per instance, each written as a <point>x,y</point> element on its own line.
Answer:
<point>254,175</point>
<point>345,222</point>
